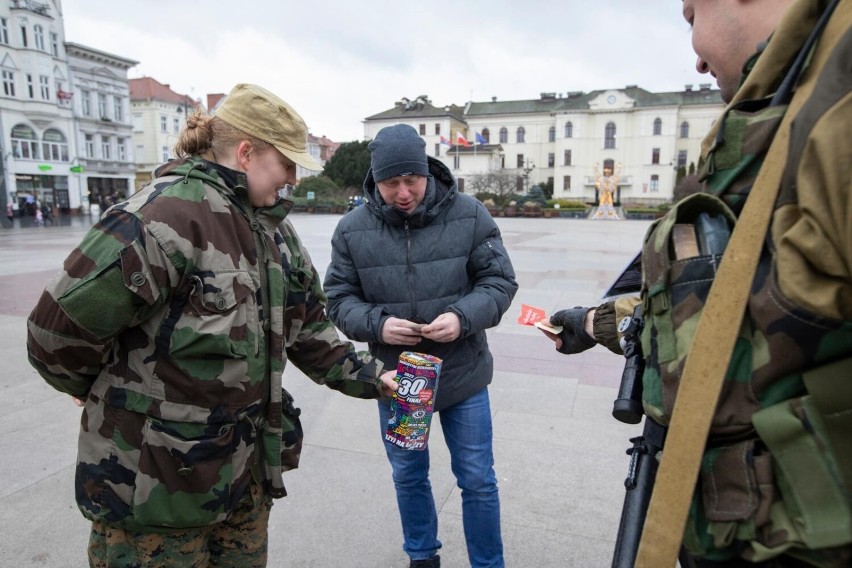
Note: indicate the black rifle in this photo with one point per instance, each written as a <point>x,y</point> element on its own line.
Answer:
<point>642,471</point>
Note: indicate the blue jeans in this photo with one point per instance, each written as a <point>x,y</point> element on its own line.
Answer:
<point>467,431</point>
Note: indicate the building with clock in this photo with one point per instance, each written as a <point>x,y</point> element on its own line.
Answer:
<point>561,140</point>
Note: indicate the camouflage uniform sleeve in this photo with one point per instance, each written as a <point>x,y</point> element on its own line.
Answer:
<point>315,346</point>
<point>606,319</point>
<point>107,284</point>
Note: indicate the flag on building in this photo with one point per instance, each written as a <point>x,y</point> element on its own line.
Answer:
<point>480,139</point>
<point>445,141</point>
<point>461,140</point>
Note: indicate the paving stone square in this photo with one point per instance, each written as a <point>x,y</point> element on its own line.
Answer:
<point>560,456</point>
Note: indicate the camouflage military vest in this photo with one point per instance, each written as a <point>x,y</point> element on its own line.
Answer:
<point>766,437</point>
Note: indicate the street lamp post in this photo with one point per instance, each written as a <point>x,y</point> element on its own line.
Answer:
<point>4,195</point>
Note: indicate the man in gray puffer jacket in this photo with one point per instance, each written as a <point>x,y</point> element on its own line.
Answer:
<point>422,267</point>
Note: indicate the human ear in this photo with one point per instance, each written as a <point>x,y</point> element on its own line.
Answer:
<point>244,151</point>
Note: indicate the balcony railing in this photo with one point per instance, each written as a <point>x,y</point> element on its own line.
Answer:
<point>41,8</point>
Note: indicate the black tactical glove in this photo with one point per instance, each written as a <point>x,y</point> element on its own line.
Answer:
<point>574,337</point>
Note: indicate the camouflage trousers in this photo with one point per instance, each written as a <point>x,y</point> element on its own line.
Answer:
<point>238,542</point>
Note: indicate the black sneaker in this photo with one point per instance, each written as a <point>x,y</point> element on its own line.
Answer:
<point>434,562</point>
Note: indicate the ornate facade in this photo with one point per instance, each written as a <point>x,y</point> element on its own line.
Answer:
<point>561,138</point>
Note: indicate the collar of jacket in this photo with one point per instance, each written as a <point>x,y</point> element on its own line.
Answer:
<point>441,189</point>
<point>764,71</point>
<point>231,183</point>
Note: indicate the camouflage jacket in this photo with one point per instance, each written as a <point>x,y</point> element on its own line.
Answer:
<point>775,478</point>
<point>173,319</point>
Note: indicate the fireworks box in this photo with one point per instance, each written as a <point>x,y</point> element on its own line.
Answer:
<point>411,406</point>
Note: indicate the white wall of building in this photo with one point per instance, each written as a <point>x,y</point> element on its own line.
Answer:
<point>156,126</point>
<point>646,161</point>
<point>104,166</point>
<point>37,139</point>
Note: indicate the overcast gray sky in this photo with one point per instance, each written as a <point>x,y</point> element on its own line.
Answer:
<point>339,61</point>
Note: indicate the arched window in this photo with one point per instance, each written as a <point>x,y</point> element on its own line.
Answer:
<point>609,135</point>
<point>520,134</point>
<point>551,134</point>
<point>486,135</point>
<point>504,135</point>
<point>658,126</point>
<point>54,146</point>
<point>569,129</point>
<point>24,142</point>
<point>684,129</point>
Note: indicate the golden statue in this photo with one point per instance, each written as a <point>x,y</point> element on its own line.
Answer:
<point>606,185</point>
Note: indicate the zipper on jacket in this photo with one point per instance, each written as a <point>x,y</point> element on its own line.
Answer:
<point>262,260</point>
<point>409,269</point>
<point>262,256</point>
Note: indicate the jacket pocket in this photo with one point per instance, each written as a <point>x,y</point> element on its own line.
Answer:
<point>189,475</point>
<point>138,274</point>
<point>219,318</point>
<point>808,471</point>
<point>675,290</point>
<point>735,495</point>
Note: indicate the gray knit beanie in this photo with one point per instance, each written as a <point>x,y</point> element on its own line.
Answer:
<point>398,150</point>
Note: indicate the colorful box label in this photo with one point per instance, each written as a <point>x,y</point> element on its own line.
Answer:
<point>411,405</point>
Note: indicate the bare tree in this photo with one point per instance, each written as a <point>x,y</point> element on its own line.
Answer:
<point>501,184</point>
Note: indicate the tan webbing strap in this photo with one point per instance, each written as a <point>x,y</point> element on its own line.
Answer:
<point>707,362</point>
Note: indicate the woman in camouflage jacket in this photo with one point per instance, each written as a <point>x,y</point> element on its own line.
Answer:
<point>173,320</point>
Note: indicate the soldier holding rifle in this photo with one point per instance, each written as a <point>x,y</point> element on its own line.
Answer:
<point>775,477</point>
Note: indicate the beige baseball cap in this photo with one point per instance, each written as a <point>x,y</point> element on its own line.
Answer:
<point>262,114</point>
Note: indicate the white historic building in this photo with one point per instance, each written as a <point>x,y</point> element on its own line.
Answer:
<point>36,121</point>
<point>74,130</point>
<point>64,114</point>
<point>104,168</point>
<point>158,114</point>
<point>565,139</point>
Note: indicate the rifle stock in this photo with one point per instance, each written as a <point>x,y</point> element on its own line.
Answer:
<point>638,487</point>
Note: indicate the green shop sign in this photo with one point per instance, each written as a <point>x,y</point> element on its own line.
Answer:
<point>45,167</point>
<point>77,169</point>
